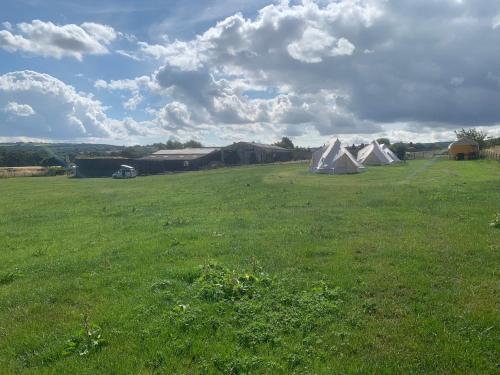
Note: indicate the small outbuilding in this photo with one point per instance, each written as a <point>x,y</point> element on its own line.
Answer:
<point>463,149</point>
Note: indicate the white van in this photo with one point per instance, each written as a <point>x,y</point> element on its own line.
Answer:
<point>125,171</point>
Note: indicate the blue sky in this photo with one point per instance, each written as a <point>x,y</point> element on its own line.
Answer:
<point>128,72</point>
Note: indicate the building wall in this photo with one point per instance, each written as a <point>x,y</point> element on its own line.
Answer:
<point>104,167</point>
<point>468,151</point>
<point>100,167</point>
<point>146,166</point>
<point>246,153</point>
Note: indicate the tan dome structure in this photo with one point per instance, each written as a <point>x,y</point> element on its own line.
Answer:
<point>463,149</point>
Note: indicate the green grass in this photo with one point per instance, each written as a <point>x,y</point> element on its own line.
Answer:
<point>265,269</point>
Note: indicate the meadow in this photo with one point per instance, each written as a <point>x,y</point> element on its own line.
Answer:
<point>253,270</point>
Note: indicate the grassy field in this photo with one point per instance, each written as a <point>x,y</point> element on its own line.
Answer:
<point>265,269</point>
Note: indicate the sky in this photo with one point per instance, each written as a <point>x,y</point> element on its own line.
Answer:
<point>220,71</point>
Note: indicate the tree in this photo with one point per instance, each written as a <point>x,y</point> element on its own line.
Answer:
<point>192,144</point>
<point>475,134</point>
<point>53,161</point>
<point>173,144</point>
<point>400,150</point>
<point>384,141</point>
<point>285,143</point>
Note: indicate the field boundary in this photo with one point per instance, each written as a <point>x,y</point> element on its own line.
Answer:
<point>491,153</point>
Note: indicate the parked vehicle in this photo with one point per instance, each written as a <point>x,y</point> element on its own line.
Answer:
<point>125,171</point>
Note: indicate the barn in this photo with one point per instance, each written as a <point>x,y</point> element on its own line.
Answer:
<point>463,149</point>
<point>99,166</point>
<point>253,153</point>
<point>187,159</point>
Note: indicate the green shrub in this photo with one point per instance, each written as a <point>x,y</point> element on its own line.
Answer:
<point>87,340</point>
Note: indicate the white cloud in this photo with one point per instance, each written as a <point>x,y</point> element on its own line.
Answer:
<point>133,102</point>
<point>126,84</point>
<point>316,44</point>
<point>50,40</point>
<point>50,109</point>
<point>101,33</point>
<point>457,81</point>
<point>300,61</point>
<point>134,86</point>
<point>22,110</point>
<point>7,25</point>
<point>496,22</point>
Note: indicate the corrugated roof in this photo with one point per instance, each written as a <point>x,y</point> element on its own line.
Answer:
<point>260,145</point>
<point>188,151</point>
<point>172,157</point>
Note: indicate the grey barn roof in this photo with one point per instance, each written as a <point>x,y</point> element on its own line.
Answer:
<point>181,154</point>
<point>259,145</point>
<point>188,151</point>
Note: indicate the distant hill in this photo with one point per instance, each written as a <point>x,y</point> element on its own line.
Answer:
<point>21,154</point>
<point>29,154</point>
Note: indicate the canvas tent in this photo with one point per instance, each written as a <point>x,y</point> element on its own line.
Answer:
<point>334,159</point>
<point>373,154</point>
<point>394,158</point>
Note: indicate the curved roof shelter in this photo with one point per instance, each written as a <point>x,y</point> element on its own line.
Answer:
<point>463,149</point>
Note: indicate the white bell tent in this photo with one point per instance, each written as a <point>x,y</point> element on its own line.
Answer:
<point>390,154</point>
<point>334,159</point>
<point>373,154</point>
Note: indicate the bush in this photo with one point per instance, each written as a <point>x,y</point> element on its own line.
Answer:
<point>218,283</point>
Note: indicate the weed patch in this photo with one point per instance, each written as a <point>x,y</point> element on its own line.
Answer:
<point>88,340</point>
<point>10,277</point>
<point>261,314</point>
<point>495,223</point>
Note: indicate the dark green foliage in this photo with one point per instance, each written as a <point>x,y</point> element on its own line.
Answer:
<point>477,135</point>
<point>218,283</point>
<point>9,277</point>
<point>192,144</point>
<point>400,150</point>
<point>285,143</point>
<point>384,141</point>
<point>87,340</point>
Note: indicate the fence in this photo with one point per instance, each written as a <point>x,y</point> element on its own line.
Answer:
<point>491,153</point>
<point>423,154</point>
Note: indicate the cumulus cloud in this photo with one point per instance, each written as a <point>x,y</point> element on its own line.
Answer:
<point>41,106</point>
<point>134,86</point>
<point>315,44</point>
<point>306,54</point>
<point>22,110</point>
<point>349,67</point>
<point>58,41</point>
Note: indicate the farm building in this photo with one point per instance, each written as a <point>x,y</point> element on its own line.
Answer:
<point>253,153</point>
<point>99,166</point>
<point>187,159</point>
<point>162,161</point>
<point>463,149</point>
